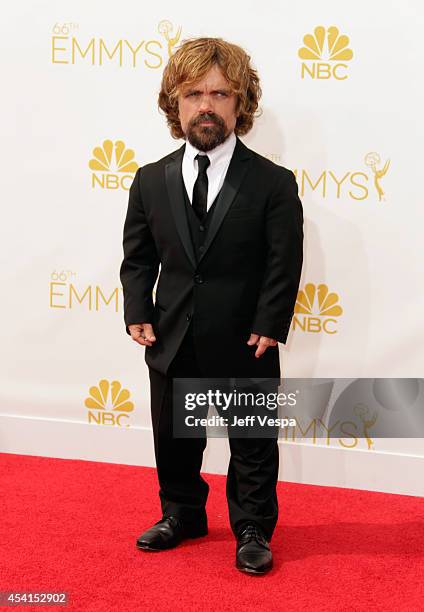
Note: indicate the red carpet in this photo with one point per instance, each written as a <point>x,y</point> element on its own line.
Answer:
<point>71,525</point>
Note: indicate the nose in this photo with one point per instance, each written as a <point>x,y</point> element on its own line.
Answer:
<point>205,103</point>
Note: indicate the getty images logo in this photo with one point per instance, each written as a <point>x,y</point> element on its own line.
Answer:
<point>113,166</point>
<point>325,52</point>
<point>316,309</point>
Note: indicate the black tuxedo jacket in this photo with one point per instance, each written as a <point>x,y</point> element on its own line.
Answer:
<point>246,279</point>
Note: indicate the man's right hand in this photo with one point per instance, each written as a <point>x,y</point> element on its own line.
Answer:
<point>142,333</point>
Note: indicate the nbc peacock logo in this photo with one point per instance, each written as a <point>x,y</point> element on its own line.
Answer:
<point>109,403</point>
<point>113,166</point>
<point>317,310</point>
<point>326,52</point>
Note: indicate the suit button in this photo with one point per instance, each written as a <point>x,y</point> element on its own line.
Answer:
<point>198,279</point>
<point>188,316</point>
<point>202,228</point>
<point>201,248</point>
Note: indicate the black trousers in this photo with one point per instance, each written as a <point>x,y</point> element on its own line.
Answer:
<point>252,471</point>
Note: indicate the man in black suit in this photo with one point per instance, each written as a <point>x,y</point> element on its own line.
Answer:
<point>226,226</point>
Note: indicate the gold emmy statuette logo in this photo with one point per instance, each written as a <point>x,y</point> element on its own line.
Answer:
<point>368,420</point>
<point>316,308</point>
<point>110,403</point>
<point>115,163</point>
<point>325,45</point>
<point>165,28</point>
<point>371,160</point>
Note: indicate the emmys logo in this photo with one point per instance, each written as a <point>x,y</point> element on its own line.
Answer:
<point>345,433</point>
<point>315,310</point>
<point>165,28</point>
<point>354,184</point>
<point>368,419</point>
<point>65,294</point>
<point>67,47</point>
<point>108,404</point>
<point>371,160</point>
<point>113,166</point>
<point>325,50</point>
<point>336,419</point>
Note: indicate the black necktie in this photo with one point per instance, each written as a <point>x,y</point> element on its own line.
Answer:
<point>200,189</point>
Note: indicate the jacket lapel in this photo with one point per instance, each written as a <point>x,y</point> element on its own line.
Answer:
<point>175,187</point>
<point>233,179</point>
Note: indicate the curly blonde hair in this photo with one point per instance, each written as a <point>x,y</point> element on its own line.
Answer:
<point>192,60</point>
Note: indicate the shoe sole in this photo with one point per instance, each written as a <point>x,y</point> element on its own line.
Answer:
<point>253,572</point>
<point>148,549</point>
<point>188,537</point>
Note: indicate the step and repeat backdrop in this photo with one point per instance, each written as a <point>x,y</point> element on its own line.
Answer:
<point>342,107</point>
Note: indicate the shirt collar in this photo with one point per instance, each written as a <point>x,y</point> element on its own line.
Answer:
<point>218,154</point>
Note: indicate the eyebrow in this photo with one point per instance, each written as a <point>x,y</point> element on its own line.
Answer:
<point>219,90</point>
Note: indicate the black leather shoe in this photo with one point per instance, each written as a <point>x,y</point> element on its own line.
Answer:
<point>168,533</point>
<point>253,554</point>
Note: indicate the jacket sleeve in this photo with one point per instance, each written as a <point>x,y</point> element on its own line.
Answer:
<point>284,235</point>
<point>139,268</point>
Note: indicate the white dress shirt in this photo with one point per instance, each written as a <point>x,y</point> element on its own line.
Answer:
<point>220,158</point>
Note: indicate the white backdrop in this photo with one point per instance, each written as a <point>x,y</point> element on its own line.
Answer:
<point>80,83</point>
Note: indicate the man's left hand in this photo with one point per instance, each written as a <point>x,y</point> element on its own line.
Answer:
<point>262,342</point>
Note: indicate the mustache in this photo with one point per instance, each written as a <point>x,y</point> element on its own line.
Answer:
<point>208,117</point>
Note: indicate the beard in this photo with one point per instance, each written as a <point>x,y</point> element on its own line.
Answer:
<point>206,137</point>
